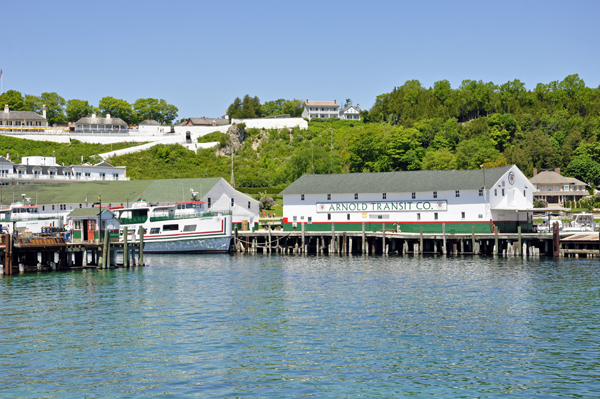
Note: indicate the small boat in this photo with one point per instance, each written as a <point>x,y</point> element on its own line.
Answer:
<point>581,222</point>
<point>182,227</point>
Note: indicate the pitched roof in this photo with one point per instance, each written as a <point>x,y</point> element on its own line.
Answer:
<point>105,164</point>
<point>88,212</point>
<point>21,116</point>
<point>551,177</point>
<point>208,121</point>
<point>4,160</point>
<point>165,190</point>
<point>396,182</point>
<point>322,103</point>
<point>347,108</point>
<point>90,120</point>
<point>149,122</point>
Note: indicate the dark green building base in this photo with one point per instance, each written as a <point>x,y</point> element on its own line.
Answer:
<point>428,228</point>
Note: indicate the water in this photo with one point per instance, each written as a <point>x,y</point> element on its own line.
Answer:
<point>260,326</point>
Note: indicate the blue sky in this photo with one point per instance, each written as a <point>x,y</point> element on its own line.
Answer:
<point>199,55</point>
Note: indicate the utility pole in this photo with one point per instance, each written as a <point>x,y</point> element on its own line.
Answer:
<point>331,166</point>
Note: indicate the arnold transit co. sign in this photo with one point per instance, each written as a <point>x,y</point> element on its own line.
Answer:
<point>400,206</point>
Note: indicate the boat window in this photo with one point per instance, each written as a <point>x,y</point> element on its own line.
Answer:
<point>191,227</point>
<point>155,230</point>
<point>171,227</point>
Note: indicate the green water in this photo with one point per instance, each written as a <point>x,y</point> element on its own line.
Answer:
<point>259,326</point>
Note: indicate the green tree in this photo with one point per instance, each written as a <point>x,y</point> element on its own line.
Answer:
<point>442,159</point>
<point>585,169</point>
<point>151,108</point>
<point>13,99</point>
<point>117,109</point>
<point>77,109</point>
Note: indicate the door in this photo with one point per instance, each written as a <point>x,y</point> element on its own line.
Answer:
<point>91,229</point>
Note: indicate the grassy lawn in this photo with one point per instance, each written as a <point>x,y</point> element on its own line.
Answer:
<point>277,209</point>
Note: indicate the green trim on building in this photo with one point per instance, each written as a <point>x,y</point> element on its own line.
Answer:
<point>428,228</point>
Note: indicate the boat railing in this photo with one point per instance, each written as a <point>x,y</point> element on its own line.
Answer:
<point>189,216</point>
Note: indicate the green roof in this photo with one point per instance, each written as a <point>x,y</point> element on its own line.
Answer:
<point>396,182</point>
<point>165,190</point>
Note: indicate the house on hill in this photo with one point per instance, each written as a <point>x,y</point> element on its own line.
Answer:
<point>350,112</point>
<point>94,124</point>
<point>22,120</point>
<point>556,189</point>
<point>321,109</point>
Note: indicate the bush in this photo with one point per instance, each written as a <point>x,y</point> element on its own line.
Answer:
<point>540,203</point>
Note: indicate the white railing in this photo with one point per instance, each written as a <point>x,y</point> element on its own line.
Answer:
<point>17,176</point>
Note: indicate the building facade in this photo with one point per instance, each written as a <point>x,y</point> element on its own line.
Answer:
<point>40,169</point>
<point>350,112</point>
<point>204,121</point>
<point>321,109</point>
<point>556,189</point>
<point>19,121</point>
<point>94,124</point>
<point>499,198</point>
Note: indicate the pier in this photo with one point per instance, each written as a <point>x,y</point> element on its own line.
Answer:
<point>389,241</point>
<point>19,254</point>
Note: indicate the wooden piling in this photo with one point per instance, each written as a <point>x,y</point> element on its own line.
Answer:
<point>421,240</point>
<point>520,242</point>
<point>106,251</point>
<point>125,248</point>
<point>363,241</point>
<point>496,248</point>
<point>444,249</point>
<point>141,245</point>
<point>473,240</point>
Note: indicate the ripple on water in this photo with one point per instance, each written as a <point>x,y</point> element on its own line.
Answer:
<point>226,326</point>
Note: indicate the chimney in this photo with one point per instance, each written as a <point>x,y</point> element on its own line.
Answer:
<point>6,109</point>
<point>358,107</point>
<point>557,170</point>
<point>335,101</point>
<point>534,171</point>
<point>44,111</point>
<point>107,116</point>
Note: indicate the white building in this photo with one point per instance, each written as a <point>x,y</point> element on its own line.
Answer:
<point>22,121</point>
<point>94,124</point>
<point>350,112</point>
<point>40,169</point>
<point>321,109</point>
<point>407,201</point>
<point>556,189</point>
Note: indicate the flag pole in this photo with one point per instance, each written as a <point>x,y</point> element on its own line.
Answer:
<point>1,81</point>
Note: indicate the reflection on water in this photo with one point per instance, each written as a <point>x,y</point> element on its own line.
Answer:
<point>227,326</point>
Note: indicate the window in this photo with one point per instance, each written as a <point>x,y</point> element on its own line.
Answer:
<point>115,176</point>
<point>503,192</point>
<point>457,193</point>
<point>462,215</point>
<point>88,175</point>
<point>495,192</point>
<point>348,216</point>
<point>557,188</point>
<point>248,204</point>
<point>80,205</point>
<point>329,216</point>
<point>355,196</point>
<point>44,208</point>
<point>524,193</point>
<point>52,207</point>
<point>232,201</point>
<point>384,195</point>
<point>414,195</point>
<point>209,202</point>
<point>102,176</point>
<point>78,175</point>
<point>301,197</point>
<point>566,187</point>
<point>155,230</point>
<point>435,216</point>
<point>435,194</point>
<point>418,216</point>
<point>191,227</point>
<point>171,227</point>
<point>328,197</point>
<point>481,192</point>
<point>309,219</point>
<point>78,224</point>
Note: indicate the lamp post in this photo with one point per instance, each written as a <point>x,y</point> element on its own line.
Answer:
<point>128,198</point>
<point>100,215</point>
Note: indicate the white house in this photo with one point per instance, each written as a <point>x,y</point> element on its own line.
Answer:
<point>406,201</point>
<point>350,112</point>
<point>22,120</point>
<point>321,109</point>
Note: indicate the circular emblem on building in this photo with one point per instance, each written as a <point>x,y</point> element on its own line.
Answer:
<point>322,207</point>
<point>511,178</point>
<point>440,205</point>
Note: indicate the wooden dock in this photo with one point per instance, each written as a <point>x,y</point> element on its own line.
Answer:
<point>390,241</point>
<point>52,253</point>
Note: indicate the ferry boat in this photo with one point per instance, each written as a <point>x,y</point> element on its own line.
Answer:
<point>22,216</point>
<point>182,227</point>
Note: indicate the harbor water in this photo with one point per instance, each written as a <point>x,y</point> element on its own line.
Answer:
<point>289,326</point>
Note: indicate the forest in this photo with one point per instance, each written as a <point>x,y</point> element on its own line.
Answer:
<point>554,125</point>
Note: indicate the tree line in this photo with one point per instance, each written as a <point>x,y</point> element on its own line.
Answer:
<point>250,107</point>
<point>59,111</point>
